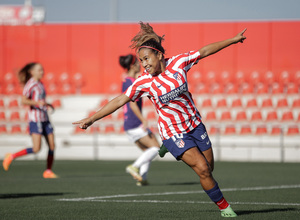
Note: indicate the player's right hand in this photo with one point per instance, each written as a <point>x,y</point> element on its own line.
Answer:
<point>84,123</point>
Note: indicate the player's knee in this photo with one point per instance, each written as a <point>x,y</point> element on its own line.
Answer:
<point>204,171</point>
<point>36,149</point>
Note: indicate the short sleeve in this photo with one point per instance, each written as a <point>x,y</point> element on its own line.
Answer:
<point>27,90</point>
<point>191,58</point>
<point>140,88</point>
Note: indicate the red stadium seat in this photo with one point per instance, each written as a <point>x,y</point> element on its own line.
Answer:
<point>103,102</point>
<point>10,78</point>
<point>287,116</point>
<point>284,78</point>
<point>269,78</point>
<point>261,130</point>
<point>254,78</point>
<point>206,103</point>
<point>230,130</point>
<point>110,128</point>
<point>298,119</point>
<point>3,129</point>
<point>272,116</point>
<point>282,103</point>
<point>2,116</point>
<point>237,103</point>
<point>211,77</point>
<point>261,88</point>
<point>151,115</point>
<point>297,78</point>
<point>78,79</point>
<point>276,88</point>
<point>296,103</point>
<point>13,103</point>
<point>51,89</point>
<point>292,89</point>
<point>49,78</point>
<point>293,130</point>
<point>267,103</point>
<point>256,116</point>
<point>246,88</point>
<point>201,88</point>
<point>94,129</point>
<point>246,130</point>
<point>241,116</point>
<point>221,103</point>
<point>225,78</point>
<point>66,89</point>
<point>56,103</point>
<point>276,130</point>
<point>64,78</point>
<point>16,129</point>
<point>240,78</point>
<point>15,116</point>
<point>210,116</point>
<point>216,89</point>
<point>10,89</point>
<point>226,115</point>
<point>2,103</point>
<point>231,88</point>
<point>252,103</point>
<point>213,130</point>
<point>122,131</point>
<point>120,115</point>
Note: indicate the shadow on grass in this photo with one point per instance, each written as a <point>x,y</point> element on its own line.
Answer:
<point>27,195</point>
<point>265,211</point>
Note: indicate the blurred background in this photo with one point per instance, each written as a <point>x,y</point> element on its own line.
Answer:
<point>248,94</point>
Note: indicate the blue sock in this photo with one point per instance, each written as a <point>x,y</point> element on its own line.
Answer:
<point>215,193</point>
<point>29,150</point>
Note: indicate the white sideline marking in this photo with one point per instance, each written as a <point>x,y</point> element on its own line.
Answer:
<point>103,198</point>
<point>193,202</point>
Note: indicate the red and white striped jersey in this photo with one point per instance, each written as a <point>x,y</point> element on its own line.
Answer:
<point>35,90</point>
<point>168,91</point>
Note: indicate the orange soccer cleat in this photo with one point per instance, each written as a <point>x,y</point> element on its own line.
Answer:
<point>48,174</point>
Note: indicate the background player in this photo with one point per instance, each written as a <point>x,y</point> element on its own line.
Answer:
<point>165,83</point>
<point>34,95</point>
<point>136,125</point>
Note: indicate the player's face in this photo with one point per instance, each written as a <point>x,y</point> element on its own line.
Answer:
<point>150,61</point>
<point>37,71</point>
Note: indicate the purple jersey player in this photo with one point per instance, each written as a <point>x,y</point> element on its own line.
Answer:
<point>135,125</point>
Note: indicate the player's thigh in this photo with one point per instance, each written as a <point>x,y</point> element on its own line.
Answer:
<point>196,160</point>
<point>36,141</point>
<point>148,141</point>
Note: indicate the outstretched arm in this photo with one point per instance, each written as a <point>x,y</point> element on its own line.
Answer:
<point>109,108</point>
<point>215,47</point>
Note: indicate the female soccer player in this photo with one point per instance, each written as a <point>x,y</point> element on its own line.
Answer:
<point>164,82</point>
<point>136,126</point>
<point>34,95</point>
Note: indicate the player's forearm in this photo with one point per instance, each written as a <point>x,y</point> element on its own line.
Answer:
<point>30,102</point>
<point>110,107</point>
<point>134,107</point>
<point>215,47</point>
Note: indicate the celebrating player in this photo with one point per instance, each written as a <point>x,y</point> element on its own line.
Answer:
<point>34,95</point>
<point>164,82</point>
<point>136,126</point>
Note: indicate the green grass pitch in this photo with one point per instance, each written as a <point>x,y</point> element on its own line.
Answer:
<point>102,190</point>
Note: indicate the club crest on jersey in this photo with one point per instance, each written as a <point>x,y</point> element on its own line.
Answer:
<point>180,143</point>
<point>177,76</point>
<point>173,94</point>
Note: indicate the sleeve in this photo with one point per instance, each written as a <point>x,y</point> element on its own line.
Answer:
<point>27,91</point>
<point>191,58</point>
<point>140,88</point>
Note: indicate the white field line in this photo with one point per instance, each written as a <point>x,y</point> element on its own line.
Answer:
<point>99,198</point>
<point>193,202</point>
